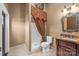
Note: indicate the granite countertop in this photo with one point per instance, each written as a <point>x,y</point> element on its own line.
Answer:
<point>74,40</point>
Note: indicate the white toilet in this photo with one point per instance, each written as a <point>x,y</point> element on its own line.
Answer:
<point>46,45</point>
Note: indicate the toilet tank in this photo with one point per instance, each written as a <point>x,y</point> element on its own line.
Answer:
<point>49,39</point>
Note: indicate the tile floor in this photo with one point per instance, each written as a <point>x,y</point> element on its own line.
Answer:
<point>21,50</point>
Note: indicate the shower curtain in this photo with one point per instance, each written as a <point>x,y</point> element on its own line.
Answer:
<point>36,38</point>
<point>40,18</point>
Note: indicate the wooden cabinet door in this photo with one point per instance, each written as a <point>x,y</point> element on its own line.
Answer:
<point>59,51</point>
<point>78,50</point>
<point>62,51</point>
<point>65,48</point>
<point>73,52</point>
<point>65,51</point>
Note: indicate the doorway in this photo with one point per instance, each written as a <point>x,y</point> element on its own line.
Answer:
<point>3,34</point>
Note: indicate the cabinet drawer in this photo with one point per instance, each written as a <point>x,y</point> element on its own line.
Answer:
<point>67,44</point>
<point>78,50</point>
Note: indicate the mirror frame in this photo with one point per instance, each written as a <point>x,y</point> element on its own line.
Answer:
<point>68,15</point>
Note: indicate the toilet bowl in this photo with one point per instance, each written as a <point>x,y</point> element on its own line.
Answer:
<point>46,45</point>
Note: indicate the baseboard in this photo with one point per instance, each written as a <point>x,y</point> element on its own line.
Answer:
<point>39,49</point>
<point>5,54</point>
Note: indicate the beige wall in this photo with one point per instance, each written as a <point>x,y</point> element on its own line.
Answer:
<point>17,24</point>
<point>54,19</point>
<point>54,15</point>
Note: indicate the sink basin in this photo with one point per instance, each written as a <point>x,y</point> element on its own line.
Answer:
<point>70,39</point>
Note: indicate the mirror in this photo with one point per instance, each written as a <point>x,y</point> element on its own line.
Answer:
<point>69,23</point>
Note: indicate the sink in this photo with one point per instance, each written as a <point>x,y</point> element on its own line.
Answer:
<point>70,39</point>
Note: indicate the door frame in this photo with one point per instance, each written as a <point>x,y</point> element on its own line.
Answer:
<point>7,44</point>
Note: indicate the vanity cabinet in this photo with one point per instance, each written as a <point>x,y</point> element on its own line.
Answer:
<point>67,48</point>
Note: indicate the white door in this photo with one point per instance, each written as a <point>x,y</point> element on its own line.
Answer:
<point>0,32</point>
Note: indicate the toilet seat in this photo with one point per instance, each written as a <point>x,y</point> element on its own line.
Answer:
<point>44,44</point>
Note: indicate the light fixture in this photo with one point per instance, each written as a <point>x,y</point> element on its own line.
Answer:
<point>69,8</point>
<point>77,5</point>
<point>65,8</point>
<point>73,5</point>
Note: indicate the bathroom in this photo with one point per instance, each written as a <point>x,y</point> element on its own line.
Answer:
<point>27,36</point>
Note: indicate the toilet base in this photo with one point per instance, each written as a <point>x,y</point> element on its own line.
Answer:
<point>46,49</point>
